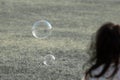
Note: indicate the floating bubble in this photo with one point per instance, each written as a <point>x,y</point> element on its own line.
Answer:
<point>41,29</point>
<point>49,60</point>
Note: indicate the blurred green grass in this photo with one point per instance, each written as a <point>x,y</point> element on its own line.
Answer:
<point>73,21</point>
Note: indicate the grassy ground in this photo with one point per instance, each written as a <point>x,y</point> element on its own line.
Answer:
<point>73,21</point>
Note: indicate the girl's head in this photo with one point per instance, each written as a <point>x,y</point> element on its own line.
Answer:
<point>105,48</point>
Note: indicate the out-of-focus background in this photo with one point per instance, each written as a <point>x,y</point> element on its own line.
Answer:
<point>73,21</point>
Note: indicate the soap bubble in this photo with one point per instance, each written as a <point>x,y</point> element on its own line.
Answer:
<point>49,60</point>
<point>41,29</point>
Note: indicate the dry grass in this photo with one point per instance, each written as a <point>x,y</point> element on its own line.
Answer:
<point>73,21</point>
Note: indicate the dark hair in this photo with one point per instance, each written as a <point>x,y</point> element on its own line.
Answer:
<point>105,49</point>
